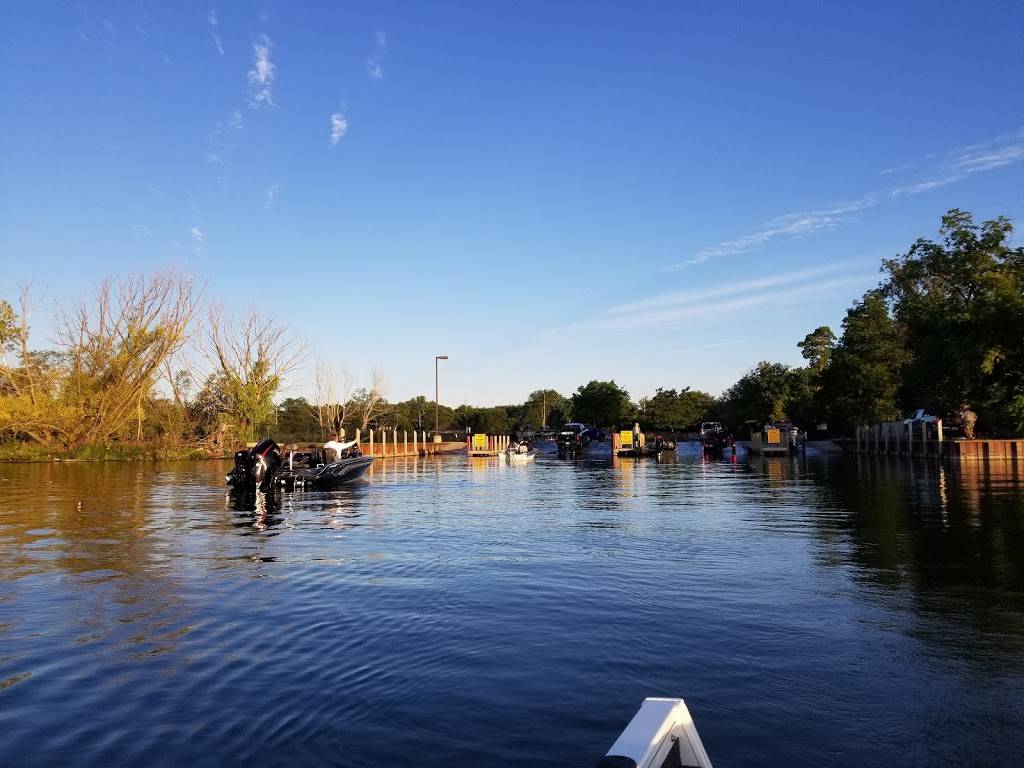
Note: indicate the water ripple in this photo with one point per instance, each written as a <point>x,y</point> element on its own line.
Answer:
<point>454,612</point>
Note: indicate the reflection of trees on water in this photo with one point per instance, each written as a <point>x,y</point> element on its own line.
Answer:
<point>950,538</point>
<point>102,524</point>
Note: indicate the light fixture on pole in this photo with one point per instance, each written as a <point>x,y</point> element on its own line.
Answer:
<point>437,400</point>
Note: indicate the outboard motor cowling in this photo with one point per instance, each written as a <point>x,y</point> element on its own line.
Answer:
<point>256,468</point>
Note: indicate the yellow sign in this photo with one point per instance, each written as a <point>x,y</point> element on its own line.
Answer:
<point>626,438</point>
<point>774,436</point>
<point>480,442</point>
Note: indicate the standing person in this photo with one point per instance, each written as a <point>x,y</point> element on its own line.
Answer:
<point>968,418</point>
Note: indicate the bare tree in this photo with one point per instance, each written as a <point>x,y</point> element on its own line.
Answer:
<point>370,403</point>
<point>27,393</point>
<point>118,342</point>
<point>251,357</point>
<point>333,394</point>
<point>114,344</point>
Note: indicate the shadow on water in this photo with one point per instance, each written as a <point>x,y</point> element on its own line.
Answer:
<point>951,538</point>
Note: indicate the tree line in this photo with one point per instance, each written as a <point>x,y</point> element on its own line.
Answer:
<point>148,359</point>
<point>943,328</point>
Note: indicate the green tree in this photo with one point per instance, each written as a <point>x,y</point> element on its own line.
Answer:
<point>416,413</point>
<point>668,409</point>
<point>862,382</point>
<point>491,421</point>
<point>296,421</point>
<point>604,403</point>
<point>545,408</point>
<point>817,347</point>
<point>9,327</point>
<point>760,396</point>
<point>961,303</point>
<point>802,405</point>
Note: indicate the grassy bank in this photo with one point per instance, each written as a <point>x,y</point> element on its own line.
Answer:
<point>16,451</point>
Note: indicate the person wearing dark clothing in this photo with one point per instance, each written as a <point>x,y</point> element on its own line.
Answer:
<point>968,418</point>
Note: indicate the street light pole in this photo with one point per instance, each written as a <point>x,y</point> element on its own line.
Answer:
<point>437,400</point>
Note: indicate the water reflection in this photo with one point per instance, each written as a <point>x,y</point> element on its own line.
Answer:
<point>815,612</point>
<point>948,539</point>
<point>255,510</point>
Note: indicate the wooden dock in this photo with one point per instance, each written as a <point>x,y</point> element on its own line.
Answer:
<point>985,450</point>
<point>487,445</point>
<point>623,443</point>
<point>895,438</point>
<point>389,443</point>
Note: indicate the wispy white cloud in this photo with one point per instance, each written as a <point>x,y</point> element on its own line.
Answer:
<point>674,298</point>
<point>222,137</point>
<point>373,63</point>
<point>271,197</point>
<point>197,235</point>
<point>790,225</point>
<point>695,306</point>
<point>701,310</point>
<point>934,171</point>
<point>214,33</point>
<point>950,167</point>
<point>109,34</point>
<point>339,127</point>
<point>261,76</point>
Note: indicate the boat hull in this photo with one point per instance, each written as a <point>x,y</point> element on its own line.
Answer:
<point>327,477</point>
<point>521,458</point>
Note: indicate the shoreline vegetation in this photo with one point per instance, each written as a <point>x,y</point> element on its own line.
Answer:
<point>20,452</point>
<point>146,368</point>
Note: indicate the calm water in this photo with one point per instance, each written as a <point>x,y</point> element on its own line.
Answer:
<point>447,613</point>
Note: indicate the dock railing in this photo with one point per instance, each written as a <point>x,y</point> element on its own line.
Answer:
<point>486,445</point>
<point>900,438</point>
<point>920,438</point>
<point>389,441</point>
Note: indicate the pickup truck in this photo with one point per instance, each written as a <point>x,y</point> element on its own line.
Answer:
<point>573,435</point>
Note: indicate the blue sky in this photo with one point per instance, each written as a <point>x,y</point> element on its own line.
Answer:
<point>659,193</point>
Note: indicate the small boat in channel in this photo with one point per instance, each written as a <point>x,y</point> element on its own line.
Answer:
<point>715,439</point>
<point>323,468</point>
<point>520,453</point>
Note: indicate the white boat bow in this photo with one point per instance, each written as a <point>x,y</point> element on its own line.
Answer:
<point>660,735</point>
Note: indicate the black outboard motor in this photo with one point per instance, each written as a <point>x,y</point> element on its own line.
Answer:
<point>256,468</point>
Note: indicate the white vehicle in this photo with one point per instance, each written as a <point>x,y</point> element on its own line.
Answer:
<point>920,415</point>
